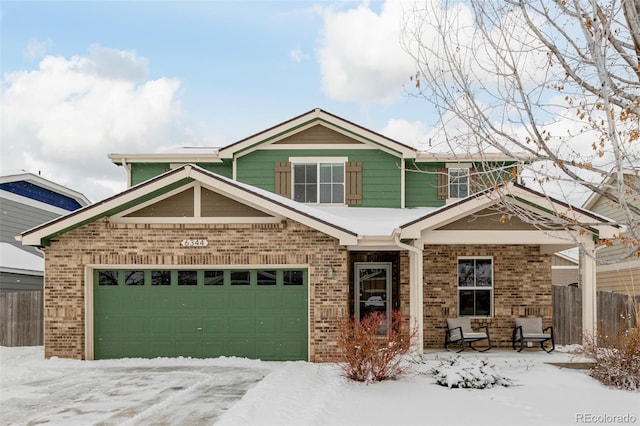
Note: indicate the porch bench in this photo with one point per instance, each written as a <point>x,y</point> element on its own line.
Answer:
<point>530,330</point>
<point>459,331</point>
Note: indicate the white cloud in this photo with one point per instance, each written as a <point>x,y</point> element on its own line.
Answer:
<point>66,116</point>
<point>410,133</point>
<point>360,54</point>
<point>36,49</point>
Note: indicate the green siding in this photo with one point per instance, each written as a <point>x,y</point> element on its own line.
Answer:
<point>145,171</point>
<point>141,172</point>
<point>380,171</point>
<point>421,184</point>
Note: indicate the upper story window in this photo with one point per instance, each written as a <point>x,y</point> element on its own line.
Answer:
<point>319,182</point>
<point>458,182</point>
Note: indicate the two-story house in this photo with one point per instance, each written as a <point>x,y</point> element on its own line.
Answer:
<point>257,249</point>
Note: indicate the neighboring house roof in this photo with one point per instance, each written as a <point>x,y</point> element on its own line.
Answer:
<point>349,225</point>
<point>14,260</point>
<point>39,192</point>
<point>609,179</point>
<point>570,255</point>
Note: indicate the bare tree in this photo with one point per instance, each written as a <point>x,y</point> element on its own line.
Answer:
<point>554,84</point>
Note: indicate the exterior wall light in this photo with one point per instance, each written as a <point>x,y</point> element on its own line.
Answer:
<point>329,271</point>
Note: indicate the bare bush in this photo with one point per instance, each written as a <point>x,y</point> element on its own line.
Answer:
<point>371,349</point>
<point>616,359</point>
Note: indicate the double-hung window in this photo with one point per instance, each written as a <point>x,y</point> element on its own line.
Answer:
<point>458,182</point>
<point>475,286</point>
<point>320,182</point>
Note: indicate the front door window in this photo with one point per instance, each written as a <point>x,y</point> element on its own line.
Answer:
<point>373,289</point>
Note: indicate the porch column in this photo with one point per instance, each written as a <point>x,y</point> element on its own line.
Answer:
<point>589,287</point>
<point>416,297</point>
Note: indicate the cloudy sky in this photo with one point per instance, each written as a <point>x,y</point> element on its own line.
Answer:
<point>82,79</point>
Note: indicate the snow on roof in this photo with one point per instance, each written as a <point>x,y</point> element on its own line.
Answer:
<point>16,260</point>
<point>371,221</point>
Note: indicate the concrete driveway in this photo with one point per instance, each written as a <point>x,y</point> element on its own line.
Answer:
<point>106,395</point>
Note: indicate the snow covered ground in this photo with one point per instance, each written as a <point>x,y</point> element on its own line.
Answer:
<point>234,391</point>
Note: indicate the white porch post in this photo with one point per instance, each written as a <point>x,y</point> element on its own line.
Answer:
<point>416,317</point>
<point>588,286</point>
<point>416,296</point>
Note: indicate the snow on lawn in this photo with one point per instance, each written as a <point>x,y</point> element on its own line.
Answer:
<point>301,393</point>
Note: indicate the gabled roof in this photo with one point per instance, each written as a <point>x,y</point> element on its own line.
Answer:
<point>524,197</point>
<point>249,195</point>
<point>313,118</point>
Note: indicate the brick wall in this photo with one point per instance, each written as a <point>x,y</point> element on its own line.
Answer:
<point>522,287</point>
<point>104,243</point>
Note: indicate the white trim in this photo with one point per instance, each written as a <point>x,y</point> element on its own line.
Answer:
<point>534,237</point>
<point>197,200</point>
<point>427,157</point>
<point>186,158</point>
<point>32,203</point>
<point>458,165</point>
<point>312,160</point>
<point>566,267</point>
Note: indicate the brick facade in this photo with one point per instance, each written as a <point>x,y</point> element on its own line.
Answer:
<point>522,275</point>
<point>104,243</point>
<point>522,287</point>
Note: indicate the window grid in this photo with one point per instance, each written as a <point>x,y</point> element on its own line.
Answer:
<point>319,183</point>
<point>458,182</point>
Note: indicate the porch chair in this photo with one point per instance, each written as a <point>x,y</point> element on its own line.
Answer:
<point>459,331</point>
<point>530,330</point>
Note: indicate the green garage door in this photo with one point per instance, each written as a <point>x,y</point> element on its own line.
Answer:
<point>204,313</point>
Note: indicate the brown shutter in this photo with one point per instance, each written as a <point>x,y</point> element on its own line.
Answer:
<point>283,178</point>
<point>476,181</point>
<point>443,183</point>
<point>353,183</point>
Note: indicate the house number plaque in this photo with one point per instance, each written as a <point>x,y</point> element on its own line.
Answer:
<point>194,243</point>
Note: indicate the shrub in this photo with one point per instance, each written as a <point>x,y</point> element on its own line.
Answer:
<point>371,351</point>
<point>616,360</point>
<point>459,372</point>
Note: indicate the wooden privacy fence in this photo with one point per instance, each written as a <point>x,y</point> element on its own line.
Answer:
<point>21,321</point>
<point>615,312</point>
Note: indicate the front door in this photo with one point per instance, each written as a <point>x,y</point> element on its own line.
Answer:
<point>372,289</point>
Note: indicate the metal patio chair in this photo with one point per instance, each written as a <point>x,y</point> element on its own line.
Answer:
<point>530,330</point>
<point>459,331</point>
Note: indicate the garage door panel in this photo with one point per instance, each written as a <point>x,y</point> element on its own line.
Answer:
<point>135,299</point>
<point>215,326</point>
<point>241,325</point>
<point>189,301</point>
<point>164,326</point>
<point>215,348</point>
<point>293,326</point>
<point>137,326</point>
<point>268,326</point>
<point>241,299</point>
<point>250,320</point>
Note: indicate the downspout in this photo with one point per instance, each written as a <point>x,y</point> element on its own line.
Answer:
<point>415,290</point>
